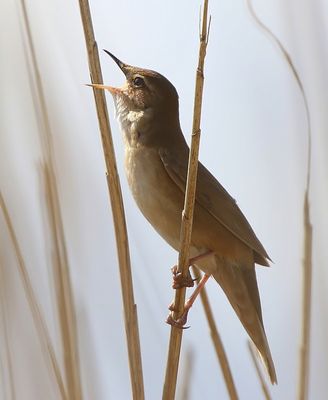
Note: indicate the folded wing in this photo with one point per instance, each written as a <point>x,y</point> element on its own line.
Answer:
<point>212,196</point>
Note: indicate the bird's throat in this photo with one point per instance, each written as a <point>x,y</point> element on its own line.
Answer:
<point>133,123</point>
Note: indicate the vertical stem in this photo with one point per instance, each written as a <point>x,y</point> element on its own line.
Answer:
<point>64,293</point>
<point>130,309</point>
<point>5,333</point>
<point>304,368</point>
<point>303,387</point>
<point>218,345</point>
<point>37,315</point>
<point>264,387</point>
<point>63,287</point>
<point>187,375</point>
<point>187,218</point>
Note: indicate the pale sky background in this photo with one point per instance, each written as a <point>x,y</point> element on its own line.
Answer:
<point>253,140</point>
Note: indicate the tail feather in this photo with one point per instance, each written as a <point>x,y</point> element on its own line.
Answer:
<point>240,286</point>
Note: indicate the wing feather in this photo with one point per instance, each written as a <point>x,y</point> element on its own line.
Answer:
<point>212,196</point>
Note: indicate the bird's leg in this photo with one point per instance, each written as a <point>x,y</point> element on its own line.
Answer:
<point>182,320</point>
<point>180,281</point>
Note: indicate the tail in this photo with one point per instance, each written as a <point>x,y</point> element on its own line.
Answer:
<point>240,286</point>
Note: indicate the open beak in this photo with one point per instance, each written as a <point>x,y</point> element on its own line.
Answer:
<point>123,67</point>
<point>111,89</point>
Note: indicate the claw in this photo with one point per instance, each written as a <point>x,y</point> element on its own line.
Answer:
<point>178,323</point>
<point>182,320</point>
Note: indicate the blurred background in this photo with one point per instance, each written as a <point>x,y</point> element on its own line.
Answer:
<point>254,140</point>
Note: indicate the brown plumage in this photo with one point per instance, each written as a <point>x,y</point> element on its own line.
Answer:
<point>156,161</point>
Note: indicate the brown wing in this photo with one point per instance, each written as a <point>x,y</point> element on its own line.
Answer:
<point>211,195</point>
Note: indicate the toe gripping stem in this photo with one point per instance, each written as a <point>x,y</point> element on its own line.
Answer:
<point>182,320</point>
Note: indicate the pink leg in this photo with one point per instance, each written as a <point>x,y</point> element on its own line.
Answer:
<point>182,320</point>
<point>179,280</point>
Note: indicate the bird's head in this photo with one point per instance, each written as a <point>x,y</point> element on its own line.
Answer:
<point>146,104</point>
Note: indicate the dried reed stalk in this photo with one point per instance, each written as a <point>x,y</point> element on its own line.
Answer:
<point>303,387</point>
<point>64,293</point>
<point>130,308</point>
<point>187,374</point>
<point>65,304</point>
<point>39,321</point>
<point>304,368</point>
<point>3,380</point>
<point>5,333</point>
<point>218,345</point>
<point>253,352</point>
<point>187,217</point>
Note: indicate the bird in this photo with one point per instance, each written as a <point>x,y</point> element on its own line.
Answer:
<point>223,243</point>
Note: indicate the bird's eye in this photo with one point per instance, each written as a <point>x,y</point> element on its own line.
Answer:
<point>138,81</point>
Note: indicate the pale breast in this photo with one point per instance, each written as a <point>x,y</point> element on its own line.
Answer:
<point>158,198</point>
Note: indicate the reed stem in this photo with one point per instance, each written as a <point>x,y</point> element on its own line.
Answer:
<point>217,342</point>
<point>114,188</point>
<point>172,364</point>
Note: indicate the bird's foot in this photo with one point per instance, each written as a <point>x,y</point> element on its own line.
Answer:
<point>179,280</point>
<point>179,322</point>
<point>182,320</point>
